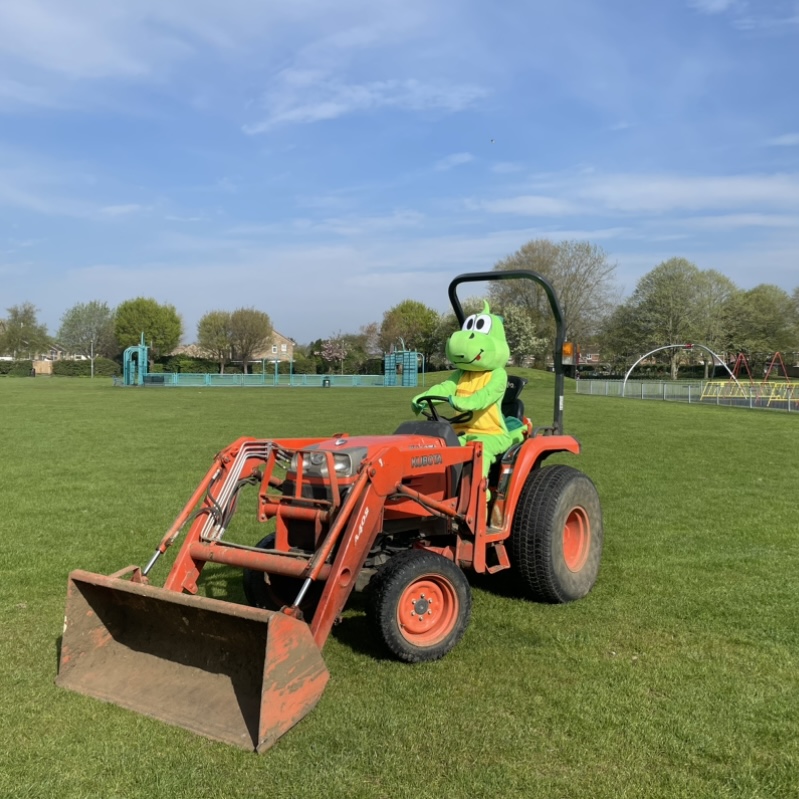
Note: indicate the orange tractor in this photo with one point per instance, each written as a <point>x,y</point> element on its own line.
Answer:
<point>401,515</point>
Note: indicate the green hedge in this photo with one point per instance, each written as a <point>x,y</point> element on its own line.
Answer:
<point>185,364</point>
<point>16,368</point>
<point>103,367</point>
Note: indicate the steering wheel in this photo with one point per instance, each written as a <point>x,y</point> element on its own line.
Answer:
<point>432,414</point>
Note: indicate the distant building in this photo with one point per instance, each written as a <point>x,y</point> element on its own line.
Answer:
<point>280,349</point>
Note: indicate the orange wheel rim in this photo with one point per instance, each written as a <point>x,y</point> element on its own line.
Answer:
<point>576,539</point>
<point>428,610</point>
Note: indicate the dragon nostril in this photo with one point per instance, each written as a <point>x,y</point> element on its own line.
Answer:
<point>472,336</point>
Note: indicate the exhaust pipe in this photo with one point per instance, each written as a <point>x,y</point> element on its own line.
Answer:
<point>229,672</point>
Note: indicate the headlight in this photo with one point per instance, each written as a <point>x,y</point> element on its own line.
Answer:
<point>314,464</point>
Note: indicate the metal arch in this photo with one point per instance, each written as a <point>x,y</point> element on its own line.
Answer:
<point>682,347</point>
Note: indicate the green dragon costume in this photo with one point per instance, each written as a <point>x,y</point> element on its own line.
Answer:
<point>479,351</point>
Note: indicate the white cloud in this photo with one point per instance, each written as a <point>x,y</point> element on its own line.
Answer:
<point>51,37</point>
<point>714,6</point>
<point>123,210</point>
<point>506,167</point>
<point>450,161</point>
<point>526,205</point>
<point>730,222</point>
<point>303,98</point>
<point>16,94</point>
<point>786,140</point>
<point>32,193</point>
<point>667,193</point>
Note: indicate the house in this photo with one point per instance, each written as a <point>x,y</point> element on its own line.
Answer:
<point>280,349</point>
<point>58,353</point>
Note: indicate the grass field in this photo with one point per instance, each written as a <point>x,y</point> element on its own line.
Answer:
<point>677,676</point>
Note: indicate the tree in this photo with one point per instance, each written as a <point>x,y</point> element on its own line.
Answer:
<point>250,333</point>
<point>22,332</point>
<point>88,329</point>
<point>760,322</point>
<point>667,307</point>
<point>161,325</point>
<point>304,364</point>
<point>414,323</point>
<point>334,350</point>
<point>362,347</point>
<point>521,335</point>
<point>215,337</point>
<point>795,310</point>
<point>580,273</point>
<point>715,293</point>
<point>621,337</point>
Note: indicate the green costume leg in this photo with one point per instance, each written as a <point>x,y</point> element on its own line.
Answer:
<point>493,447</point>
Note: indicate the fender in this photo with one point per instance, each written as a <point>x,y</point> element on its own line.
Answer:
<point>529,456</point>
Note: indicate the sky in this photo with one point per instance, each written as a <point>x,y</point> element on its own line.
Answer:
<point>324,161</point>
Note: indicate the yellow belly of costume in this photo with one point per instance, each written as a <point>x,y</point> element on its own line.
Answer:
<point>484,422</point>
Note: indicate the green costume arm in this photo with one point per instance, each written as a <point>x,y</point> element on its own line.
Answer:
<point>443,389</point>
<point>493,393</point>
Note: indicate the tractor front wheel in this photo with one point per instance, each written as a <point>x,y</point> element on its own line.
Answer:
<point>556,537</point>
<point>419,605</point>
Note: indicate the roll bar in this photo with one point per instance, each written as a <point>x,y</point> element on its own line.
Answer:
<point>560,327</point>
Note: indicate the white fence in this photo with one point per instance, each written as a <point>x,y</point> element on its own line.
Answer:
<point>772,396</point>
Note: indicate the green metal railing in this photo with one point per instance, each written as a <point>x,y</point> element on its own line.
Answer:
<point>189,380</point>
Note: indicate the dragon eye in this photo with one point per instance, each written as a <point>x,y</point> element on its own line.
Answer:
<point>469,323</point>
<point>482,323</point>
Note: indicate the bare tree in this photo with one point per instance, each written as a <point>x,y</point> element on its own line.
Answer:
<point>88,329</point>
<point>215,337</point>
<point>250,332</point>
<point>581,275</point>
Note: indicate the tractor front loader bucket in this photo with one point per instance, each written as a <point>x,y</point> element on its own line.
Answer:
<point>226,671</point>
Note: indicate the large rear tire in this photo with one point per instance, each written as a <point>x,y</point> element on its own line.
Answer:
<point>556,536</point>
<point>419,605</point>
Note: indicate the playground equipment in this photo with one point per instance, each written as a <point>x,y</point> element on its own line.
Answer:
<point>765,393</point>
<point>733,375</point>
<point>135,364</point>
<point>401,367</point>
<point>405,513</point>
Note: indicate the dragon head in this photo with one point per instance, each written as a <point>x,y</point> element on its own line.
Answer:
<point>480,344</point>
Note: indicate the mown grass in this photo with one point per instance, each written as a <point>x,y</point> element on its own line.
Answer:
<point>676,677</point>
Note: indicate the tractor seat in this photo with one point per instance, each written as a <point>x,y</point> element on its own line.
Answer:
<point>512,406</point>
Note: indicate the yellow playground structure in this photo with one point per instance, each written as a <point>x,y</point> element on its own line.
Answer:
<point>778,393</point>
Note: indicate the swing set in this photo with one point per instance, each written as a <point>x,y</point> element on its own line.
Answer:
<point>777,392</point>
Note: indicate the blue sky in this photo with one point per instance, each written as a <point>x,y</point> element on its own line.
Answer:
<point>323,161</point>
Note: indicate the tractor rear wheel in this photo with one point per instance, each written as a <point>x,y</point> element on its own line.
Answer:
<point>274,591</point>
<point>419,605</point>
<point>556,537</point>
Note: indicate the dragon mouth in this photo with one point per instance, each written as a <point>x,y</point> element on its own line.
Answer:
<point>475,359</point>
